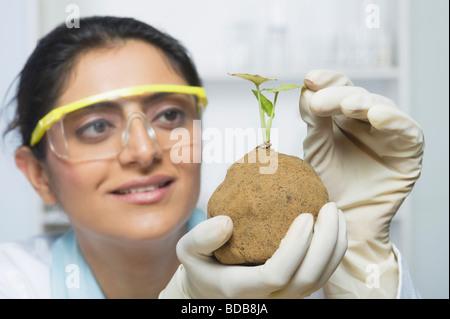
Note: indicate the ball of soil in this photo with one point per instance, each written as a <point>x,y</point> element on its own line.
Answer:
<point>263,204</point>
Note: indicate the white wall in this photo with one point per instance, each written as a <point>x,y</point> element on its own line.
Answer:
<point>19,204</point>
<point>430,106</point>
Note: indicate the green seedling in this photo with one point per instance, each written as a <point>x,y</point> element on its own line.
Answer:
<point>266,106</point>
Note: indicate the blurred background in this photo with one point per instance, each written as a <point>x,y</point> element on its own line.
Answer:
<point>397,48</point>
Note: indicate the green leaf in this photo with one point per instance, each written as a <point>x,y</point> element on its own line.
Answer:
<point>283,87</point>
<point>266,104</point>
<point>255,78</point>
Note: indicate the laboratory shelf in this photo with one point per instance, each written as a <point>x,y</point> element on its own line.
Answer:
<point>372,74</point>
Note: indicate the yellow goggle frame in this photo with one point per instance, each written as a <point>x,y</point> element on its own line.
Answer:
<point>55,115</point>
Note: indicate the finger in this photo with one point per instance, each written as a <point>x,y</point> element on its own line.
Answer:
<point>336,258</point>
<point>319,79</point>
<point>205,238</point>
<point>305,111</point>
<point>318,144</point>
<point>392,120</point>
<point>327,102</point>
<point>357,105</point>
<point>321,250</point>
<point>339,250</point>
<point>261,281</point>
<point>278,270</point>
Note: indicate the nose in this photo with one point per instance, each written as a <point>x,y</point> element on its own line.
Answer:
<point>139,142</point>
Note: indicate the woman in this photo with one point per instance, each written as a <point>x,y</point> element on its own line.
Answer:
<point>96,109</point>
<point>68,66</point>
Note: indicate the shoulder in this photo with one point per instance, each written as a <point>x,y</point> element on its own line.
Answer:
<point>25,267</point>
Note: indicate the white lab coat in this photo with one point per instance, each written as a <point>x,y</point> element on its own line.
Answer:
<point>25,270</point>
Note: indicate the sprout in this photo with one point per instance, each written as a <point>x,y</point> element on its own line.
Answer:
<point>266,107</point>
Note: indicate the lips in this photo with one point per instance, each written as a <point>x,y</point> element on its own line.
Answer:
<point>139,190</point>
<point>145,190</point>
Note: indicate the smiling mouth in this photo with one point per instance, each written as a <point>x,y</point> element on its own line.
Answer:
<point>142,189</point>
<point>145,190</point>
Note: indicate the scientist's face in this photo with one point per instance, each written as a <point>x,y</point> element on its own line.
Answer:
<point>140,194</point>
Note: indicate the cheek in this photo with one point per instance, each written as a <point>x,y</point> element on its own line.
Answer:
<point>191,177</point>
<point>75,185</point>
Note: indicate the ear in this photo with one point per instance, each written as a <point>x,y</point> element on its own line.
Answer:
<point>36,173</point>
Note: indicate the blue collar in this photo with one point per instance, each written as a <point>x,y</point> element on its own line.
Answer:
<point>70,275</point>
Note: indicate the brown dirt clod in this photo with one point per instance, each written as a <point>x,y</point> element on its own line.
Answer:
<point>263,206</point>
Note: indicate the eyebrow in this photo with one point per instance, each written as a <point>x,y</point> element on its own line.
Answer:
<point>160,95</point>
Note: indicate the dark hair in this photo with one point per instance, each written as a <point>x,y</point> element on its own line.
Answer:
<point>47,69</point>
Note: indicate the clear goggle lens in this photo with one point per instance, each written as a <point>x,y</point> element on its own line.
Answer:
<point>104,129</point>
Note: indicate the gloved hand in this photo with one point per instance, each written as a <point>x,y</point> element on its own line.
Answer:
<point>304,261</point>
<point>368,154</point>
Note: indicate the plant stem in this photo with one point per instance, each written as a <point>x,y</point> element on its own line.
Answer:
<point>272,115</point>
<point>261,115</point>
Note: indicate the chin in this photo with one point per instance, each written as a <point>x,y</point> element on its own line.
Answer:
<point>154,226</point>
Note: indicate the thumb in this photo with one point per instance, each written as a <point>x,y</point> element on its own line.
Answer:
<point>318,143</point>
<point>319,79</point>
<point>314,81</point>
<point>205,238</point>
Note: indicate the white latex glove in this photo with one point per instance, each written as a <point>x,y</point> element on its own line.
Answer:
<point>306,258</point>
<point>368,154</point>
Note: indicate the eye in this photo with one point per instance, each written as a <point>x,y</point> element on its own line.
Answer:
<point>171,118</point>
<point>95,130</point>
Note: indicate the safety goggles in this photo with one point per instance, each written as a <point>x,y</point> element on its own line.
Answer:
<point>100,126</point>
